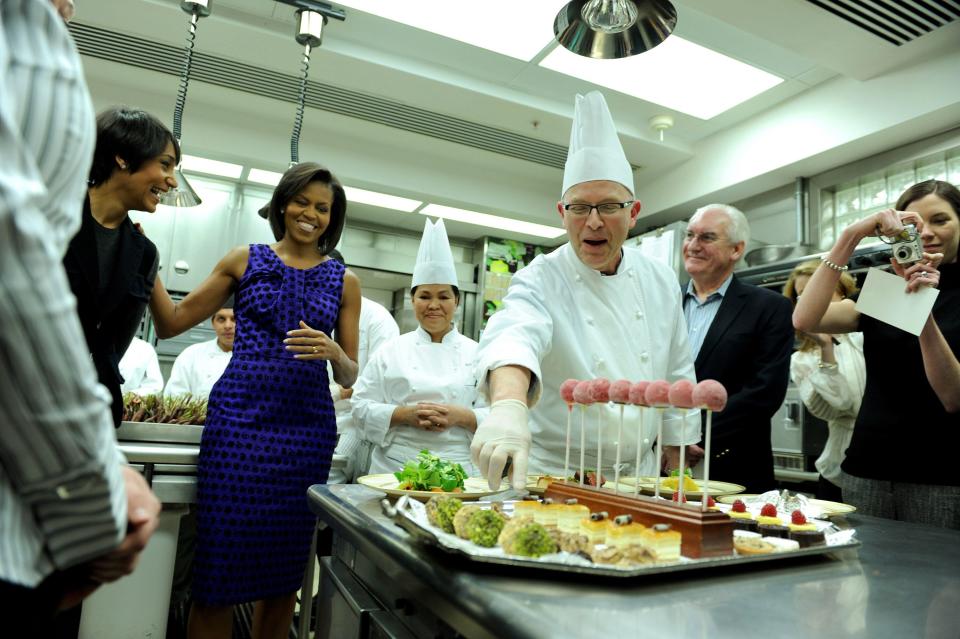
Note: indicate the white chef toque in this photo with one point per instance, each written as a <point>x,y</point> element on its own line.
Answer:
<point>434,259</point>
<point>595,152</point>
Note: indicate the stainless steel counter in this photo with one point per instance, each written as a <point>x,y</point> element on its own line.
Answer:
<point>905,582</point>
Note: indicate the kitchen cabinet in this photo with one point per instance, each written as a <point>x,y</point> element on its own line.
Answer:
<point>250,227</point>
<point>192,240</point>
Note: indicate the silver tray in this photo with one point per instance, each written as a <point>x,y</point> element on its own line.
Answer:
<point>401,515</point>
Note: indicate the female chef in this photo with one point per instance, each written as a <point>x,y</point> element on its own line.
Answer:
<point>418,390</point>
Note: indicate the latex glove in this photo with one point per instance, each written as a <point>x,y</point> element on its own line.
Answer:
<point>503,435</point>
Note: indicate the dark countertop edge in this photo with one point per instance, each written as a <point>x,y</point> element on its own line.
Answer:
<point>430,576</point>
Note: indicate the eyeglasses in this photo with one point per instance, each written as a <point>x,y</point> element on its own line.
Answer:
<point>607,208</point>
<point>704,238</point>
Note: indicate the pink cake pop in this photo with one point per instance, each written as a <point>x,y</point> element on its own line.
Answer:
<point>566,390</point>
<point>620,391</point>
<point>681,393</point>
<point>710,394</point>
<point>638,393</point>
<point>658,393</point>
<point>600,390</point>
<point>581,393</point>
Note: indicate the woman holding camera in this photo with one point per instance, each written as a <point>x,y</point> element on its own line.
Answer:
<point>911,404</point>
<point>829,372</point>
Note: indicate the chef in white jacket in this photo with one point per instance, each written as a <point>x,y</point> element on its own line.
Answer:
<point>140,369</point>
<point>590,309</point>
<point>418,390</point>
<point>199,366</point>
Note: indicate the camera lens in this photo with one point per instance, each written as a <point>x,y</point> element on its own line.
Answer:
<point>902,253</point>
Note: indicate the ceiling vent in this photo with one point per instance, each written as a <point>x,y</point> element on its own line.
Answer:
<point>125,49</point>
<point>896,21</point>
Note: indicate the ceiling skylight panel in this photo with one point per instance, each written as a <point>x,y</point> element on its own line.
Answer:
<point>516,28</point>
<point>381,199</point>
<point>493,222</point>
<point>678,74</point>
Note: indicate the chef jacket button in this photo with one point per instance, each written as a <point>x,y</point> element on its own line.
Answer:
<point>644,356</point>
<point>413,389</point>
<point>590,321</point>
<point>639,314</point>
<point>600,362</point>
<point>646,441</point>
<point>577,277</point>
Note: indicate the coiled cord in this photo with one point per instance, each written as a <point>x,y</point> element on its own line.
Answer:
<point>301,101</point>
<point>184,78</point>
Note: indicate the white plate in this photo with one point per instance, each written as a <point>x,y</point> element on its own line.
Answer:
<point>716,488</point>
<point>828,508</point>
<point>473,487</point>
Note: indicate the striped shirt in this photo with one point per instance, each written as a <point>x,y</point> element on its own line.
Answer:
<point>62,499</point>
<point>699,315</point>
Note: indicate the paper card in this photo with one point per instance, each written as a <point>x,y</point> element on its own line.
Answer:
<point>885,298</point>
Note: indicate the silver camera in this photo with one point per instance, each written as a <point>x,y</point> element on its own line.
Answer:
<point>907,248</point>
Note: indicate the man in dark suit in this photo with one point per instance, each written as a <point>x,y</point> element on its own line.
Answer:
<point>740,335</point>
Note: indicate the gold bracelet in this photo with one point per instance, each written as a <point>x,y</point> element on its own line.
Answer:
<point>830,366</point>
<point>832,266</point>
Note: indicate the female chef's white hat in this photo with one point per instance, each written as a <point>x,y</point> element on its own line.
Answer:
<point>434,259</point>
<point>595,152</point>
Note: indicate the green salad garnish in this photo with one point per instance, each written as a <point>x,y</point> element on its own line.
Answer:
<point>429,472</point>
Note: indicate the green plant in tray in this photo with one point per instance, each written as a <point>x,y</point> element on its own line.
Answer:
<point>429,472</point>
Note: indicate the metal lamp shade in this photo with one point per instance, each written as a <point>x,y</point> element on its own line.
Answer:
<point>183,195</point>
<point>655,20</point>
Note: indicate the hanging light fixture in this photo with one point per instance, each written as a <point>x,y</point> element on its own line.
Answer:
<point>608,29</point>
<point>311,18</point>
<point>184,195</point>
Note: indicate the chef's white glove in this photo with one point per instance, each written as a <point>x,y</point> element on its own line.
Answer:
<point>503,435</point>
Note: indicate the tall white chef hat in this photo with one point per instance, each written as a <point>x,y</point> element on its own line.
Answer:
<point>595,152</point>
<point>434,259</point>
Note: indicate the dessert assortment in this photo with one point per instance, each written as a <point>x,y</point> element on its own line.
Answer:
<point>533,528</point>
<point>582,523</point>
<point>569,536</point>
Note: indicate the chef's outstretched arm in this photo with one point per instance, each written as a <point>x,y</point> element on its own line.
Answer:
<point>504,435</point>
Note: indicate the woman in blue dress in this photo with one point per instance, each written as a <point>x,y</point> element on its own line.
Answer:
<point>271,427</point>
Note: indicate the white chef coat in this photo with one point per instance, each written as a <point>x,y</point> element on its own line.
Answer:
<point>410,369</point>
<point>377,327</point>
<point>197,369</point>
<point>140,369</point>
<point>562,319</point>
<point>832,394</point>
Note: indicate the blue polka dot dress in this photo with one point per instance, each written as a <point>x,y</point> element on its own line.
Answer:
<point>270,434</point>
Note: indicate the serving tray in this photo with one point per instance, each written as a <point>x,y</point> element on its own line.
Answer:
<point>411,516</point>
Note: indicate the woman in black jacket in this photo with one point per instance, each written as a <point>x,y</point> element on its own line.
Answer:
<point>111,265</point>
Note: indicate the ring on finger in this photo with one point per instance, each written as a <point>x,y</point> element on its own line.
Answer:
<point>316,350</point>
